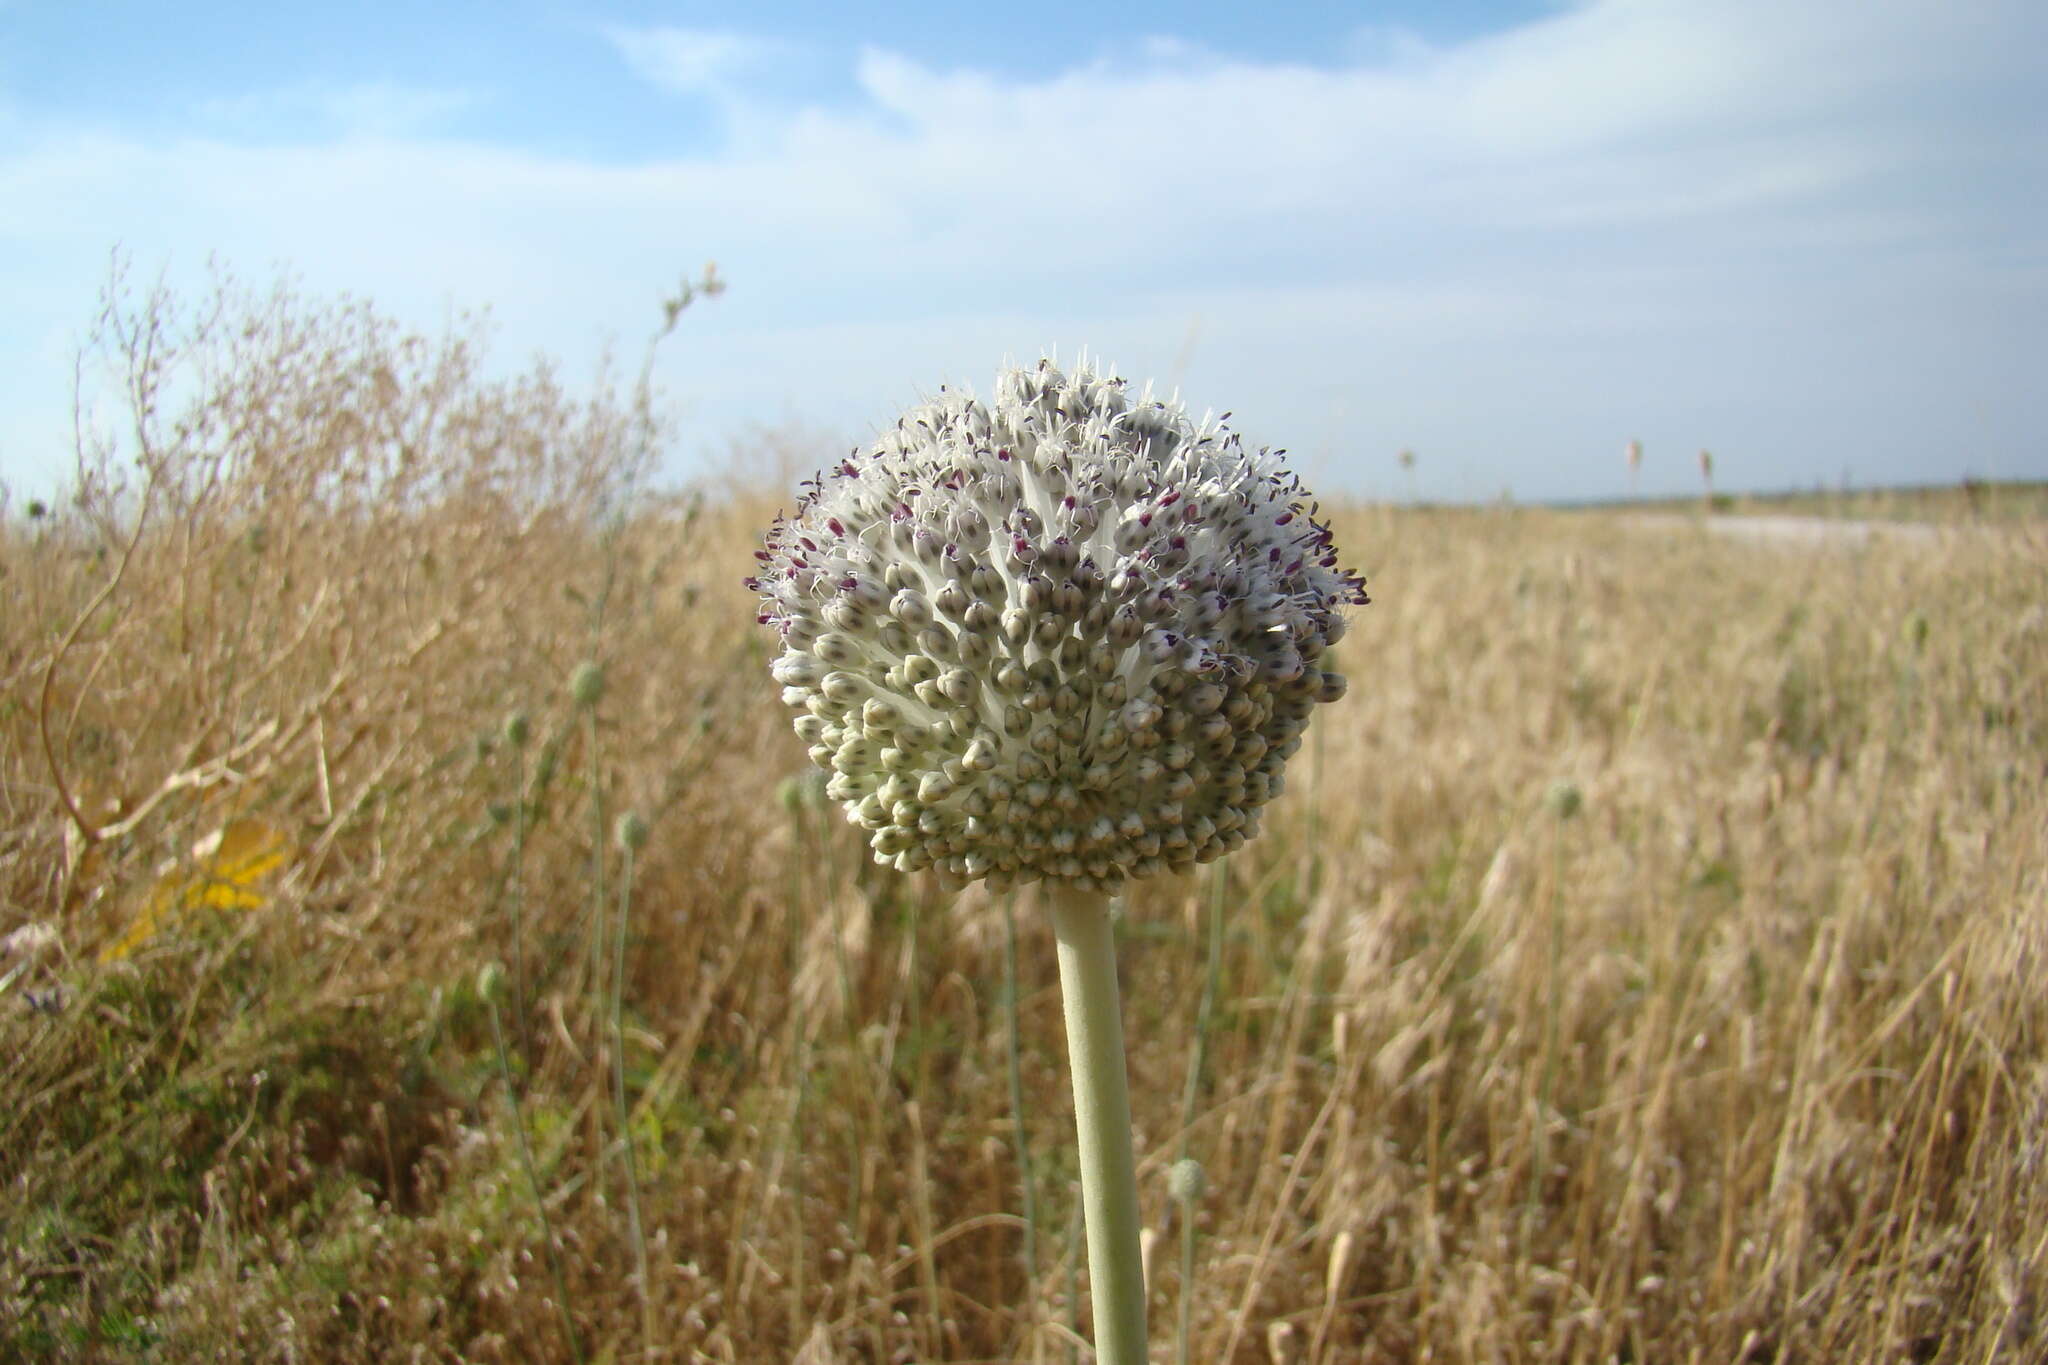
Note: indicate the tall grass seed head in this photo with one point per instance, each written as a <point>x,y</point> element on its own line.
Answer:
<point>1067,634</point>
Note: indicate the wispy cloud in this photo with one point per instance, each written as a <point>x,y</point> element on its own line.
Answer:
<point>693,61</point>
<point>319,112</point>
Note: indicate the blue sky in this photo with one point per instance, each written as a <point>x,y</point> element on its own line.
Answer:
<point>1811,235</point>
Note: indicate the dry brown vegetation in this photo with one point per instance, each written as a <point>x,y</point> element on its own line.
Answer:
<point>1645,963</point>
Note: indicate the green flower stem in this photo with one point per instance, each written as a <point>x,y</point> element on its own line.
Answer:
<point>1186,1324</point>
<point>622,1112</point>
<point>1025,1178</point>
<point>1102,1118</point>
<point>540,1203</point>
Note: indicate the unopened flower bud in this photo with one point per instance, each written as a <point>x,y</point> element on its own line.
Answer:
<point>1563,798</point>
<point>586,684</point>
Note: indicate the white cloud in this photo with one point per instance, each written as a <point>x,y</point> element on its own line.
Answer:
<point>691,61</point>
<point>1705,222</point>
<point>373,109</point>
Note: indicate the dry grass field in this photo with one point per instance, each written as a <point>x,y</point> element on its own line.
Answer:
<point>1645,963</point>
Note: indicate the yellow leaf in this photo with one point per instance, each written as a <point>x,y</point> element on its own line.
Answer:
<point>228,870</point>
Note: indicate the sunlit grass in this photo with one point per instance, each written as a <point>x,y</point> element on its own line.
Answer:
<point>1742,1061</point>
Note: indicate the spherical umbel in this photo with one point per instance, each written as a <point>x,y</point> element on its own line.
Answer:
<point>1066,634</point>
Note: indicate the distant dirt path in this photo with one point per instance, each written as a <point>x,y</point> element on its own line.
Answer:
<point>1799,531</point>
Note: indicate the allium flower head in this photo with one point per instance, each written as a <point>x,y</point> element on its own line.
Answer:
<point>1065,634</point>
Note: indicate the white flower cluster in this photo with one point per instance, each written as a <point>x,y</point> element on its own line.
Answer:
<point>1068,634</point>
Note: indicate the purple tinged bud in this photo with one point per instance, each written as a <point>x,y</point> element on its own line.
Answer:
<point>1161,646</point>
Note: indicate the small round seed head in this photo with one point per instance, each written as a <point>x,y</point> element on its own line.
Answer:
<point>1916,630</point>
<point>586,684</point>
<point>1185,1180</point>
<point>630,832</point>
<point>490,983</point>
<point>1066,633</point>
<point>518,729</point>
<point>1563,798</point>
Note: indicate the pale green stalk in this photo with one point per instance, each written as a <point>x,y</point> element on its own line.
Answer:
<point>1074,1288</point>
<point>1204,1019</point>
<point>540,1203</point>
<point>801,1047</point>
<point>1205,1012</point>
<point>595,952</point>
<point>519,914</point>
<point>623,1115</point>
<point>1024,1175</point>
<point>1184,1336</point>
<point>1102,1120</point>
